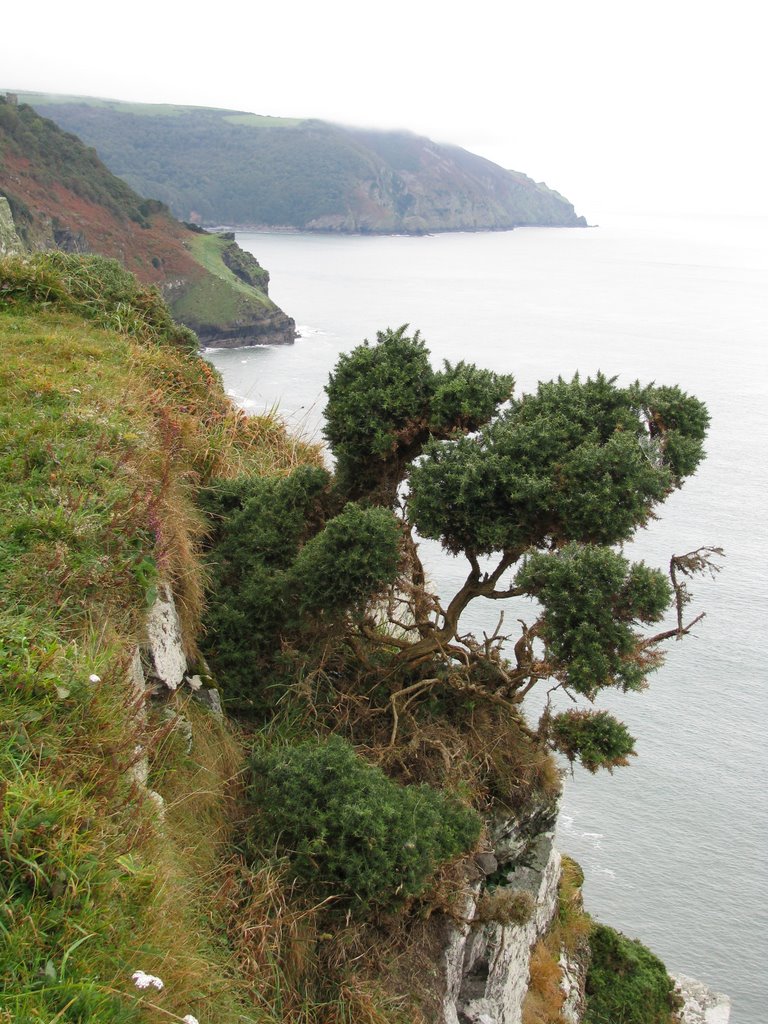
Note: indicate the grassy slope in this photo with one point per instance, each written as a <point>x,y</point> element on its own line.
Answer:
<point>104,434</point>
<point>159,109</point>
<point>221,297</point>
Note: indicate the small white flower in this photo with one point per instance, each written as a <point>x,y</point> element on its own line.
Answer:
<point>143,980</point>
<point>93,678</point>
<point>189,1019</point>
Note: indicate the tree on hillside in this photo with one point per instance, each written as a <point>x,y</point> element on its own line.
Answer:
<point>546,488</point>
<point>538,493</point>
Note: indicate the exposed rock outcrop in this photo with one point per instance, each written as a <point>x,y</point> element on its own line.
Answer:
<point>274,328</point>
<point>10,242</point>
<point>701,1005</point>
<point>486,961</point>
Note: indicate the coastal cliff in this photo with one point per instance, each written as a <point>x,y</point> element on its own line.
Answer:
<point>233,167</point>
<point>128,897</point>
<point>60,196</point>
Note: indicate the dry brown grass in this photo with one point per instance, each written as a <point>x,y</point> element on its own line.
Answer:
<point>570,932</point>
<point>544,999</point>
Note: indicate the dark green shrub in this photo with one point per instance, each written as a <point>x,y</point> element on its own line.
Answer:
<point>626,983</point>
<point>258,525</point>
<point>592,598</point>
<point>347,830</point>
<point>595,738</point>
<point>280,571</point>
<point>349,560</point>
<point>378,401</point>
<point>385,400</point>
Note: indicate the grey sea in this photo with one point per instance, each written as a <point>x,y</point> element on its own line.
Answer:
<point>675,847</point>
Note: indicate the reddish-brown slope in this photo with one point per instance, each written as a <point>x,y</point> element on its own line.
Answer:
<point>155,253</point>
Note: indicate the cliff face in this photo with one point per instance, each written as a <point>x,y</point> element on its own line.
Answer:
<point>416,185</point>
<point>61,196</point>
<point>487,963</point>
<point>230,167</point>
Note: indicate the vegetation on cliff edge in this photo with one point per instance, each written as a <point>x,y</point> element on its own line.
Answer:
<point>381,732</point>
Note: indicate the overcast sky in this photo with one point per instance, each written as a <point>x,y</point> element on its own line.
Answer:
<point>622,107</point>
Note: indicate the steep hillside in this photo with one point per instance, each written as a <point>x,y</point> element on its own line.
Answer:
<point>231,167</point>
<point>62,196</point>
<point>106,418</point>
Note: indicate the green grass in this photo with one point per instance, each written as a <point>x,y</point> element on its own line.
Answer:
<point>104,431</point>
<point>156,109</point>
<point>221,298</point>
<point>120,106</point>
<point>207,250</point>
<point>263,121</point>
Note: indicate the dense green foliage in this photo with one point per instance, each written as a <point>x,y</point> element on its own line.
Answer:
<point>545,485</point>
<point>626,983</point>
<point>385,401</point>
<point>283,565</point>
<point>594,738</point>
<point>591,642</point>
<point>349,832</point>
<point>347,563</point>
<point>579,460</point>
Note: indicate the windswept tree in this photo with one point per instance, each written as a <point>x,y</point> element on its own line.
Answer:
<point>546,488</point>
<point>538,493</point>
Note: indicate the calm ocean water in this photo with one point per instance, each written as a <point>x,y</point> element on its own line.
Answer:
<point>674,848</point>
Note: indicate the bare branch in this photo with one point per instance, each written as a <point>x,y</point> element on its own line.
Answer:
<point>691,564</point>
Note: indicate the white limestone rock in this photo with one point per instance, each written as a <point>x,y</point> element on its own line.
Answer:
<point>572,981</point>
<point>487,966</point>
<point>164,641</point>
<point>701,1005</point>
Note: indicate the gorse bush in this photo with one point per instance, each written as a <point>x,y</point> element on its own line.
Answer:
<point>591,639</point>
<point>626,983</point>
<point>385,401</point>
<point>347,830</point>
<point>347,562</point>
<point>547,486</point>
<point>284,567</point>
<point>594,737</point>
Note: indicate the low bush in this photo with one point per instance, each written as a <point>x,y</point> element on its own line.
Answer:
<point>283,566</point>
<point>626,983</point>
<point>349,832</point>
